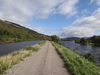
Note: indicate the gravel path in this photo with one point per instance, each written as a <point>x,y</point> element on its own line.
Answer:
<point>44,62</point>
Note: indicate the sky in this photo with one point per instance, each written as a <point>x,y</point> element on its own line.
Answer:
<point>65,18</point>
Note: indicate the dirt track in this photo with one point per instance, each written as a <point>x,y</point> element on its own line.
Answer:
<point>44,62</point>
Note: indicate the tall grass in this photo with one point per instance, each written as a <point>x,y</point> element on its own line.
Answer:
<point>77,64</point>
<point>7,61</point>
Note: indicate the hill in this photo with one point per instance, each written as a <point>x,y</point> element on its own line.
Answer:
<point>12,32</point>
<point>71,38</point>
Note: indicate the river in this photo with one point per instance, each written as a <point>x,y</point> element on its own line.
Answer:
<point>81,49</point>
<point>6,48</point>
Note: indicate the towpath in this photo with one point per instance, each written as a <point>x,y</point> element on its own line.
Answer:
<point>44,62</point>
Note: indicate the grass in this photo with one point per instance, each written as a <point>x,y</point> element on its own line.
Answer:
<point>32,48</point>
<point>76,64</point>
<point>42,43</point>
<point>89,56</point>
<point>7,61</point>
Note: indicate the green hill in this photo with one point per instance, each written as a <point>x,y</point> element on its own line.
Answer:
<point>11,32</point>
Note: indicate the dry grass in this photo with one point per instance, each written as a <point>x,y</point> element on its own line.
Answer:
<point>11,59</point>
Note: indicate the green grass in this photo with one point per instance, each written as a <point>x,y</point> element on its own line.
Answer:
<point>76,64</point>
<point>32,48</point>
<point>42,43</point>
<point>7,61</point>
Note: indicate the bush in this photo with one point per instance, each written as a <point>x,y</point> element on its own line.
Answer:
<point>55,38</point>
<point>32,48</point>
<point>90,57</point>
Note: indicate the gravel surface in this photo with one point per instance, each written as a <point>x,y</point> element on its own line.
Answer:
<point>44,62</point>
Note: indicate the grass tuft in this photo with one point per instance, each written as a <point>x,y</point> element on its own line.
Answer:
<point>32,48</point>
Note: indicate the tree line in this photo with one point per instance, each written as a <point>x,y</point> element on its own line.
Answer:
<point>95,40</point>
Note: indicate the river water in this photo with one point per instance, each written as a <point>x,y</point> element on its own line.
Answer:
<point>6,48</point>
<point>81,49</point>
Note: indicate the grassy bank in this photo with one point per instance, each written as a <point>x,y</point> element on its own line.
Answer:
<point>11,59</point>
<point>77,64</point>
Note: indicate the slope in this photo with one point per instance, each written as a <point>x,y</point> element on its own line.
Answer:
<point>11,32</point>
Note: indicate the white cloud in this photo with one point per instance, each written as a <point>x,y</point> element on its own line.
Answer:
<point>39,29</point>
<point>68,8</point>
<point>83,27</point>
<point>85,11</point>
<point>20,11</point>
<point>77,32</point>
<point>95,1</point>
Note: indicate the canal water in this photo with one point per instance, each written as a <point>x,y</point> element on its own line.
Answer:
<point>6,48</point>
<point>81,49</point>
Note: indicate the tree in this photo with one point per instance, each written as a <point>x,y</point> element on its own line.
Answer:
<point>83,41</point>
<point>55,38</point>
<point>96,39</point>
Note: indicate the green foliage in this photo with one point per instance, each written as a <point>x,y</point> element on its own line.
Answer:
<point>96,40</point>
<point>55,38</point>
<point>32,48</point>
<point>42,43</point>
<point>77,64</point>
<point>11,32</point>
<point>83,41</point>
<point>89,56</point>
<point>15,53</point>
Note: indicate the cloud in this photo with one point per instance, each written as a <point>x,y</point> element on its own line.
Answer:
<point>39,29</point>
<point>21,11</point>
<point>85,11</point>
<point>77,32</point>
<point>83,27</point>
<point>95,1</point>
<point>68,8</point>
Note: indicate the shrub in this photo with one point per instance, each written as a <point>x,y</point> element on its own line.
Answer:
<point>32,48</point>
<point>89,56</point>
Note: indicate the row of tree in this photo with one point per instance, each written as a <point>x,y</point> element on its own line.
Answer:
<point>93,40</point>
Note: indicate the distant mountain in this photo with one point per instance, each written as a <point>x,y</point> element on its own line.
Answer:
<point>12,32</point>
<point>71,38</point>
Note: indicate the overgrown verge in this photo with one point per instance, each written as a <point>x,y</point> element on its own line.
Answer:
<point>77,64</point>
<point>11,59</point>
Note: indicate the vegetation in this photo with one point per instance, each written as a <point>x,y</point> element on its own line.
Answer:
<point>77,64</point>
<point>95,40</point>
<point>83,41</point>
<point>9,60</point>
<point>89,56</point>
<point>11,32</point>
<point>55,38</point>
<point>32,48</point>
